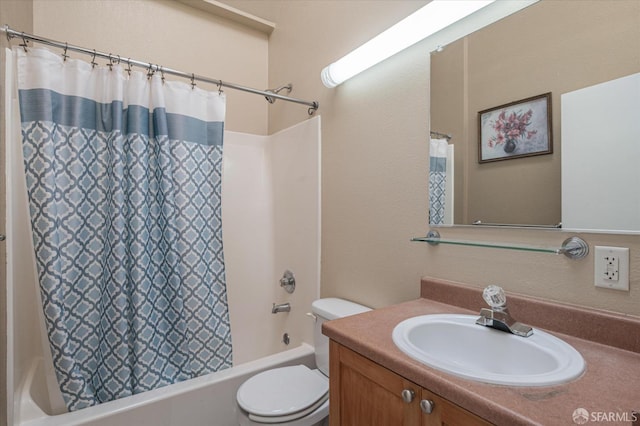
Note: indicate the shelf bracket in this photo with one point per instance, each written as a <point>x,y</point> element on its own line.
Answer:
<point>574,248</point>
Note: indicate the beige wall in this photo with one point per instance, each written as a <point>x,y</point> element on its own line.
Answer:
<point>513,60</point>
<point>374,166</point>
<point>373,148</point>
<point>170,34</point>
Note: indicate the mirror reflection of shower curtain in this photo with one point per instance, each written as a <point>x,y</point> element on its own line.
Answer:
<point>449,197</point>
<point>124,184</point>
<point>440,182</point>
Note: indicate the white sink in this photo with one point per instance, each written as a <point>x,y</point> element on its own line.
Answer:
<point>457,345</point>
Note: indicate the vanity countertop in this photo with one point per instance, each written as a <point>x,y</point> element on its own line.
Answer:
<point>609,389</point>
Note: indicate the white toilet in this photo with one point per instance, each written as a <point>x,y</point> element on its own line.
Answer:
<point>295,395</point>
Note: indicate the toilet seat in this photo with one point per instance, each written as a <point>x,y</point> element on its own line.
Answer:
<point>283,394</point>
<point>290,417</point>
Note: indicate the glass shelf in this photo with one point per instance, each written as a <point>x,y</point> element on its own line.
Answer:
<point>573,247</point>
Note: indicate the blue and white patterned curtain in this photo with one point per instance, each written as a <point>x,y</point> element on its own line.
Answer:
<point>124,181</point>
<point>437,180</point>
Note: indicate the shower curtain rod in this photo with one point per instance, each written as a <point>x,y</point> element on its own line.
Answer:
<point>114,59</point>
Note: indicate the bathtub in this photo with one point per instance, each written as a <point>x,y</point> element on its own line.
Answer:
<point>206,400</point>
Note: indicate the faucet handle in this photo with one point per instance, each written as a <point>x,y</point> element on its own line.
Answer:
<point>495,297</point>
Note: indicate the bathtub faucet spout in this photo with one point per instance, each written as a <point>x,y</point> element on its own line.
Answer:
<point>283,307</point>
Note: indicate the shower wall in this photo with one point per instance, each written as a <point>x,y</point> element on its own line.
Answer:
<point>271,206</point>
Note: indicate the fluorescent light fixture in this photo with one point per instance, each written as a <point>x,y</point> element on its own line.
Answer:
<point>426,21</point>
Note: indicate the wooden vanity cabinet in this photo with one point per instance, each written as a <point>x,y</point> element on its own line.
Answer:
<point>364,393</point>
<point>447,413</point>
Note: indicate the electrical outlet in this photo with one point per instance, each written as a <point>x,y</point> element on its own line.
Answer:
<point>612,267</point>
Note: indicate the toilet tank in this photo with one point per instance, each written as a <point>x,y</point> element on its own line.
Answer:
<point>329,309</point>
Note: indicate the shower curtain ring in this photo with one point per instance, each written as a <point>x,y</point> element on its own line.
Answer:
<point>24,42</point>
<point>128,70</point>
<point>64,54</point>
<point>110,64</point>
<point>193,81</point>
<point>219,87</point>
<point>161,73</point>
<point>150,71</point>
<point>93,59</point>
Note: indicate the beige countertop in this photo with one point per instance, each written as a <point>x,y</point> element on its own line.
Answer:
<point>609,389</point>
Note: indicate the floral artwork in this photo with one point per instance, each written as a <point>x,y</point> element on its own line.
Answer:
<point>510,129</point>
<point>518,129</point>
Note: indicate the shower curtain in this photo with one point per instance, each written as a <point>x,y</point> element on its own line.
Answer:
<point>437,180</point>
<point>124,183</point>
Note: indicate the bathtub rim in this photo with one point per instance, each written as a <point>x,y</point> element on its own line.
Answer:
<point>31,414</point>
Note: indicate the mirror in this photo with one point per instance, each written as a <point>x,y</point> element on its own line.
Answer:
<point>550,46</point>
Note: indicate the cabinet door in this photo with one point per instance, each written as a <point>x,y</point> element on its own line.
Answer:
<point>446,413</point>
<point>365,393</point>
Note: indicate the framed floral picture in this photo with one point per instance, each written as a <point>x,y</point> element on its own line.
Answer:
<point>515,130</point>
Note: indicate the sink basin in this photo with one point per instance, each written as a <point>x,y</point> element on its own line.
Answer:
<point>457,345</point>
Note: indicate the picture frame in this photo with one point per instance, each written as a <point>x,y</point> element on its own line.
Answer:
<point>515,130</point>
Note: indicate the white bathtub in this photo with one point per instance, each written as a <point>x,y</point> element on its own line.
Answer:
<point>206,400</point>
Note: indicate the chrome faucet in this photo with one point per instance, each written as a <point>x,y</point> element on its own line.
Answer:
<point>498,317</point>
<point>283,307</point>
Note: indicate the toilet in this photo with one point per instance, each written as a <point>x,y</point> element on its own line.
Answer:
<point>295,395</point>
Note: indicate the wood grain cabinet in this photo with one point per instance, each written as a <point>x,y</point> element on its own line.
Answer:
<point>364,393</point>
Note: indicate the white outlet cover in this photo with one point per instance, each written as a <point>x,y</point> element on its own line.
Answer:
<point>622,255</point>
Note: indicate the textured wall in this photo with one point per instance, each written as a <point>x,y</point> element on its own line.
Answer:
<point>173,35</point>
<point>374,168</point>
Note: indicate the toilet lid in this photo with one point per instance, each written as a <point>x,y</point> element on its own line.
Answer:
<point>282,391</point>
